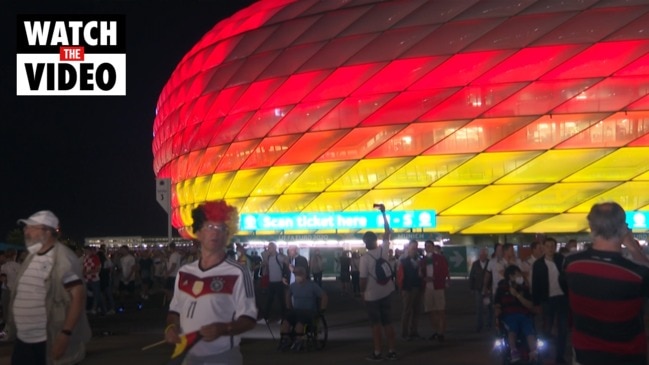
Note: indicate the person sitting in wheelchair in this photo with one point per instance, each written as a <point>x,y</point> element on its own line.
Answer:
<point>302,300</point>
<point>514,309</point>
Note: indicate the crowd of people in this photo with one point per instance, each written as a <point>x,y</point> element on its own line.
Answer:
<point>596,293</point>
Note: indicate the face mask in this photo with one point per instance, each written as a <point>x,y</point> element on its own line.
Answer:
<point>519,280</point>
<point>35,247</point>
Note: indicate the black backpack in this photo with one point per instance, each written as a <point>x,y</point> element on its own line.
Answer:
<point>382,269</point>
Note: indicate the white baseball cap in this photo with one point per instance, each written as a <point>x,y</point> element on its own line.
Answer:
<point>44,217</point>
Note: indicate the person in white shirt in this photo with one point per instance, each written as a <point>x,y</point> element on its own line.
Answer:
<point>526,266</point>
<point>173,265</point>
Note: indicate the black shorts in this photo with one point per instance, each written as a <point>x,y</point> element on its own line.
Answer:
<point>379,311</point>
<point>300,316</point>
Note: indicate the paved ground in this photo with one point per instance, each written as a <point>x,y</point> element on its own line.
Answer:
<point>119,339</point>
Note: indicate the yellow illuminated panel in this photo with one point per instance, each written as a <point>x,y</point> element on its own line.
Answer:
<point>454,224</point>
<point>292,202</point>
<point>277,179</point>
<point>219,185</point>
<point>318,176</point>
<point>199,186</point>
<point>623,164</point>
<point>504,223</point>
<point>559,198</point>
<point>438,198</point>
<point>486,167</point>
<point>423,171</point>
<point>493,199</point>
<point>258,204</point>
<point>553,165</point>
<point>243,183</point>
<point>568,223</point>
<point>630,196</point>
<point>643,177</point>
<point>186,213</point>
<point>367,173</point>
<point>333,201</point>
<point>390,197</point>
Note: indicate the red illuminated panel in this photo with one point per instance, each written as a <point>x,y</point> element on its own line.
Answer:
<point>611,94</point>
<point>302,117</point>
<point>390,45</point>
<point>452,37</point>
<point>218,53</point>
<point>443,10</point>
<point>211,160</point>
<point>398,75</point>
<point>206,132</point>
<point>528,64</point>
<point>256,94</point>
<point>262,122</point>
<point>415,138</point>
<point>343,81</point>
<point>478,135</point>
<point>181,167</point>
<point>471,101</point>
<point>290,60</point>
<point>193,162</point>
<point>602,59</point>
<point>408,106</point>
<point>250,42</point>
<point>635,30</point>
<point>296,87</point>
<point>219,76</point>
<point>236,155</point>
<point>547,132</point>
<point>224,101</point>
<point>380,17</point>
<point>639,67</point>
<point>269,150</point>
<point>641,104</point>
<point>288,32</point>
<point>310,146</point>
<point>640,142</point>
<point>540,97</point>
<point>252,68</point>
<point>336,52</point>
<point>331,24</point>
<point>614,131</point>
<point>460,69</point>
<point>351,111</point>
<point>358,143</point>
<point>229,128</point>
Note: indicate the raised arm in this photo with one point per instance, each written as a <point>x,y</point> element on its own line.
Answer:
<point>386,228</point>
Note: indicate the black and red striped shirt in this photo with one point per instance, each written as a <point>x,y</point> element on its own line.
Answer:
<point>607,294</point>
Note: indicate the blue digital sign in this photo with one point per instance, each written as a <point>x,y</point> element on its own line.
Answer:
<point>637,220</point>
<point>339,220</point>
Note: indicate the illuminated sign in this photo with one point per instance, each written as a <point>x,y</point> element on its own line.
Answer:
<point>637,220</point>
<point>339,220</point>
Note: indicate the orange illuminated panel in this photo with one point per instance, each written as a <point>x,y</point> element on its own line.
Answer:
<point>211,159</point>
<point>438,198</point>
<point>553,165</point>
<point>302,117</point>
<point>310,146</point>
<point>262,122</point>
<point>194,162</point>
<point>471,101</point>
<point>351,111</point>
<point>547,131</point>
<point>416,138</point>
<point>236,154</point>
<point>292,202</point>
<point>630,195</point>
<point>601,59</point>
<point>559,198</point>
<point>460,69</point>
<point>277,179</point>
<point>614,131</point>
<point>569,223</point>
<point>269,150</point>
<point>390,197</point>
<point>367,173</point>
<point>343,81</point>
<point>493,199</point>
<point>485,168</point>
<point>423,171</point>
<point>244,182</point>
<point>398,75</point>
<point>504,223</point>
<point>181,167</point>
<point>611,94</point>
<point>479,135</point>
<point>359,142</point>
<point>623,164</point>
<point>540,97</point>
<point>454,224</point>
<point>318,176</point>
<point>408,106</point>
<point>334,201</point>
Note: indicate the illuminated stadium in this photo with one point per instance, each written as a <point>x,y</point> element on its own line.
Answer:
<point>499,116</point>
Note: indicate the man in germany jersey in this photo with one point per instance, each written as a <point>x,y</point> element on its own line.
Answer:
<point>214,299</point>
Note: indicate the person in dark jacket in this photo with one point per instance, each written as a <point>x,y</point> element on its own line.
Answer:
<point>410,284</point>
<point>476,283</point>
<point>549,291</point>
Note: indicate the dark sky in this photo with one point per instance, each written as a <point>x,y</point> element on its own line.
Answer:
<point>89,159</point>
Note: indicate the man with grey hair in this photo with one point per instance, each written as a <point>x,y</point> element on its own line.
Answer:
<point>296,260</point>
<point>607,292</point>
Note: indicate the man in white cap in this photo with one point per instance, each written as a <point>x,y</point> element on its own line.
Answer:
<point>48,319</point>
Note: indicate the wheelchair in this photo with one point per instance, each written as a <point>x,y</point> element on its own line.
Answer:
<point>501,345</point>
<point>316,334</point>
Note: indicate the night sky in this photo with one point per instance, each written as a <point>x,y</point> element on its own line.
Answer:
<point>89,159</point>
